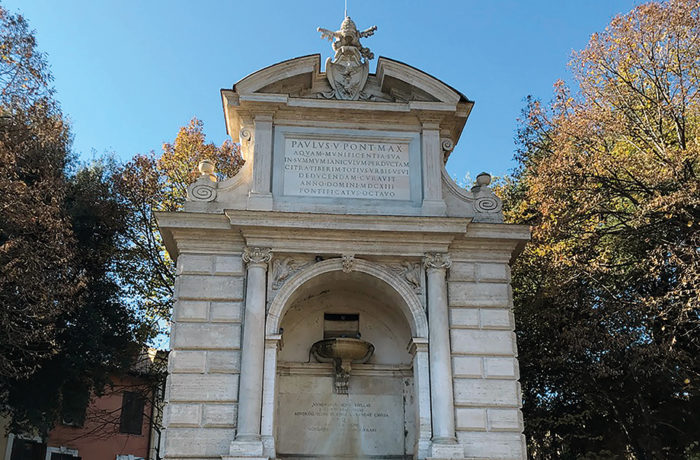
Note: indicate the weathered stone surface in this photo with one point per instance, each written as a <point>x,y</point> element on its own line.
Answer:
<point>226,311</point>
<point>502,446</point>
<point>483,392</point>
<point>470,419</point>
<point>191,310</point>
<point>464,317</point>
<point>493,272</point>
<point>210,287</point>
<point>220,415</point>
<point>496,318</point>
<point>180,361</point>
<point>464,294</point>
<point>197,442</point>
<point>183,415</point>
<point>203,387</point>
<point>462,271</point>
<point>500,367</point>
<point>206,335</point>
<point>467,366</point>
<point>228,265</point>
<point>504,420</point>
<point>482,342</point>
<point>226,362</point>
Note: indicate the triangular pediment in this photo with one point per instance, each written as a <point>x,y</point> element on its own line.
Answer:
<point>393,81</point>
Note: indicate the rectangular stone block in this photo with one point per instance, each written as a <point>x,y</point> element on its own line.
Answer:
<point>466,366</point>
<point>464,317</point>
<point>503,446</point>
<point>480,342</point>
<point>182,415</point>
<point>496,318</point>
<point>210,287</point>
<point>220,415</point>
<point>504,420</point>
<point>228,264</point>
<point>500,367</point>
<point>465,294</point>
<point>195,264</point>
<point>470,419</point>
<point>186,361</point>
<point>203,387</point>
<point>191,310</point>
<point>462,271</point>
<point>206,335</point>
<point>197,442</point>
<point>225,311</point>
<point>482,392</point>
<point>493,272</point>
<point>225,362</point>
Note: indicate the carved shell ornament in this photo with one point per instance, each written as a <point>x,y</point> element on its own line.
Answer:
<point>347,72</point>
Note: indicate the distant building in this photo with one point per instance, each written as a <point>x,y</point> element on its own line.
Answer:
<point>123,424</point>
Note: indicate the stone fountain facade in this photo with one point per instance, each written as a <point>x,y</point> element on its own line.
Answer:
<point>342,223</point>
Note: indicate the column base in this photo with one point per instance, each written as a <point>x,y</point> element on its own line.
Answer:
<point>446,450</point>
<point>244,448</point>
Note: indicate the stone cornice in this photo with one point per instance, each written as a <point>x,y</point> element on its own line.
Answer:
<point>347,222</point>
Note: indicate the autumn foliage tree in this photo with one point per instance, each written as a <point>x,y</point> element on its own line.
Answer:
<point>151,183</point>
<point>607,294</point>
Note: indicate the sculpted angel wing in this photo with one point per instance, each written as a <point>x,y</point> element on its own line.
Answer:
<point>368,33</point>
<point>328,34</point>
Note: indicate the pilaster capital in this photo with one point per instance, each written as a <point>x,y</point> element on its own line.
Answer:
<point>437,261</point>
<point>257,256</point>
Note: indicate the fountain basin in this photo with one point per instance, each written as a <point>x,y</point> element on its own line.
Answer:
<point>342,348</point>
<point>342,352</point>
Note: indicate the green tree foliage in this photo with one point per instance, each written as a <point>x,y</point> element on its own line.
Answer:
<point>64,328</point>
<point>151,183</point>
<point>607,294</point>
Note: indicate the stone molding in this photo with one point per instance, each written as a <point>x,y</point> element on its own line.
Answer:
<point>257,256</point>
<point>412,306</point>
<point>437,261</point>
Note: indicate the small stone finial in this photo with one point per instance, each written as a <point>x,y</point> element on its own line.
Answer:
<point>206,168</point>
<point>483,179</point>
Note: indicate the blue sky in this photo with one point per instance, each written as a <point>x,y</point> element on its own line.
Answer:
<point>129,73</point>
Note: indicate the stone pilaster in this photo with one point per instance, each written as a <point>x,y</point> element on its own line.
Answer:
<point>433,203</point>
<point>248,442</point>
<point>261,194</point>
<point>421,377</point>
<point>444,443</point>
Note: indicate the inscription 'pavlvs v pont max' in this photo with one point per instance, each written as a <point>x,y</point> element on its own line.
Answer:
<point>347,169</point>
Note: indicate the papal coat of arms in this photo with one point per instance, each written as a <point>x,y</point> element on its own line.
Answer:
<point>348,70</point>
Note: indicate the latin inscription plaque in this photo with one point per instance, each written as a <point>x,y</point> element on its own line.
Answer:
<point>346,169</point>
<point>330,424</point>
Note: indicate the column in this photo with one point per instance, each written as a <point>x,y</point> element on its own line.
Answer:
<point>247,441</point>
<point>441,386</point>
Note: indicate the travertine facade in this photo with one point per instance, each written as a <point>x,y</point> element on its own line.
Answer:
<point>342,212</point>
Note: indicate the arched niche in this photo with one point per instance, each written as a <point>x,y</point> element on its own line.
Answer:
<point>395,291</point>
<point>300,407</point>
